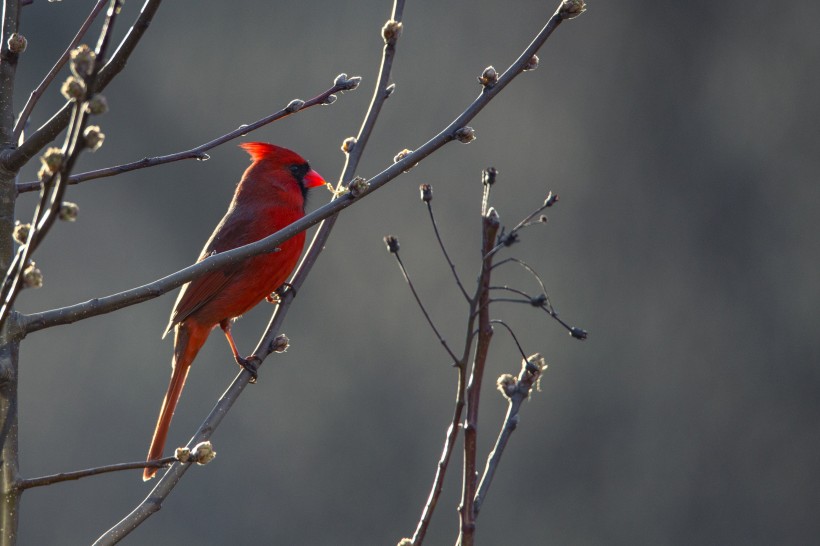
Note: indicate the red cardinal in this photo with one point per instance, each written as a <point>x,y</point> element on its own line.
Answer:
<point>270,196</point>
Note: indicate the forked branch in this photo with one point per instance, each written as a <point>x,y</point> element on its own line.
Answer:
<point>342,83</point>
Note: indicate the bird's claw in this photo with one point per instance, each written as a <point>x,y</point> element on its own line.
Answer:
<point>251,365</point>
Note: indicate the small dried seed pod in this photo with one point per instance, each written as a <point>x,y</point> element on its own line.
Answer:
<point>426,191</point>
<point>392,244</point>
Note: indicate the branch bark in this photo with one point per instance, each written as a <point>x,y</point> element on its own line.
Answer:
<point>198,152</point>
<point>490,225</point>
<point>28,483</point>
<point>49,77</point>
<point>516,391</point>
<point>9,343</point>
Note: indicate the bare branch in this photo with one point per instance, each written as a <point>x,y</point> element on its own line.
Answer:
<point>13,160</point>
<point>153,502</point>
<point>444,251</point>
<point>421,305</point>
<point>77,474</point>
<point>490,225</point>
<point>9,437</point>
<point>38,91</point>
<point>381,93</point>
<point>512,334</point>
<point>443,462</point>
<point>516,391</point>
<point>199,151</point>
<point>8,70</point>
<point>511,238</point>
<point>524,265</point>
<point>53,189</point>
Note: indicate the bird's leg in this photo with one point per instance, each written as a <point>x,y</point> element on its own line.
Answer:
<point>251,364</point>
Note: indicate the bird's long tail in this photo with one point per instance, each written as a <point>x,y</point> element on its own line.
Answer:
<point>188,339</point>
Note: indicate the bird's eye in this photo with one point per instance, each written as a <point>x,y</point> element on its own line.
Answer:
<point>299,171</point>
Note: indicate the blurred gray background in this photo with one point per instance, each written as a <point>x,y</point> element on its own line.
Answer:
<point>682,139</point>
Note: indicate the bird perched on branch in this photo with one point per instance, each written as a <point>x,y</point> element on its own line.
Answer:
<point>270,196</point>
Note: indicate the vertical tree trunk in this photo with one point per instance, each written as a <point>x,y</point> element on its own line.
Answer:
<point>9,341</point>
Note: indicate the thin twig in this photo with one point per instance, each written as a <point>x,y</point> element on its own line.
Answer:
<point>77,474</point>
<point>512,334</point>
<point>574,331</point>
<point>51,196</point>
<point>531,370</point>
<point>153,502</point>
<point>512,237</point>
<point>443,462</point>
<point>13,160</point>
<point>424,309</point>
<point>38,91</point>
<point>199,151</point>
<point>444,251</point>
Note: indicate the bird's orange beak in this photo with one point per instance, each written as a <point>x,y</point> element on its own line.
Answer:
<point>313,179</point>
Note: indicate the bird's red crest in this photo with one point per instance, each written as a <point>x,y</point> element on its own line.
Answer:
<point>262,150</point>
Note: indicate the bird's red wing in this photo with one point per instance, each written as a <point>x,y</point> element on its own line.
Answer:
<point>231,233</point>
<point>198,293</point>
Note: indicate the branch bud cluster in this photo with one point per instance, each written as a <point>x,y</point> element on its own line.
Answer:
<point>358,186</point>
<point>203,453</point>
<point>280,344</point>
<point>465,135</point>
<point>17,43</point>
<point>69,211</point>
<point>571,9</point>
<point>97,105</point>
<point>82,60</point>
<point>183,454</point>
<point>401,155</point>
<point>52,160</point>
<point>347,84</point>
<point>488,176</point>
<point>294,106</point>
<point>532,64</point>
<point>32,276</point>
<point>488,78</point>
<point>391,31</point>
<point>389,90</point>
<point>507,385</point>
<point>392,243</point>
<point>426,191</point>
<point>94,137</point>
<point>348,144</point>
<point>73,88</point>
<point>21,232</point>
